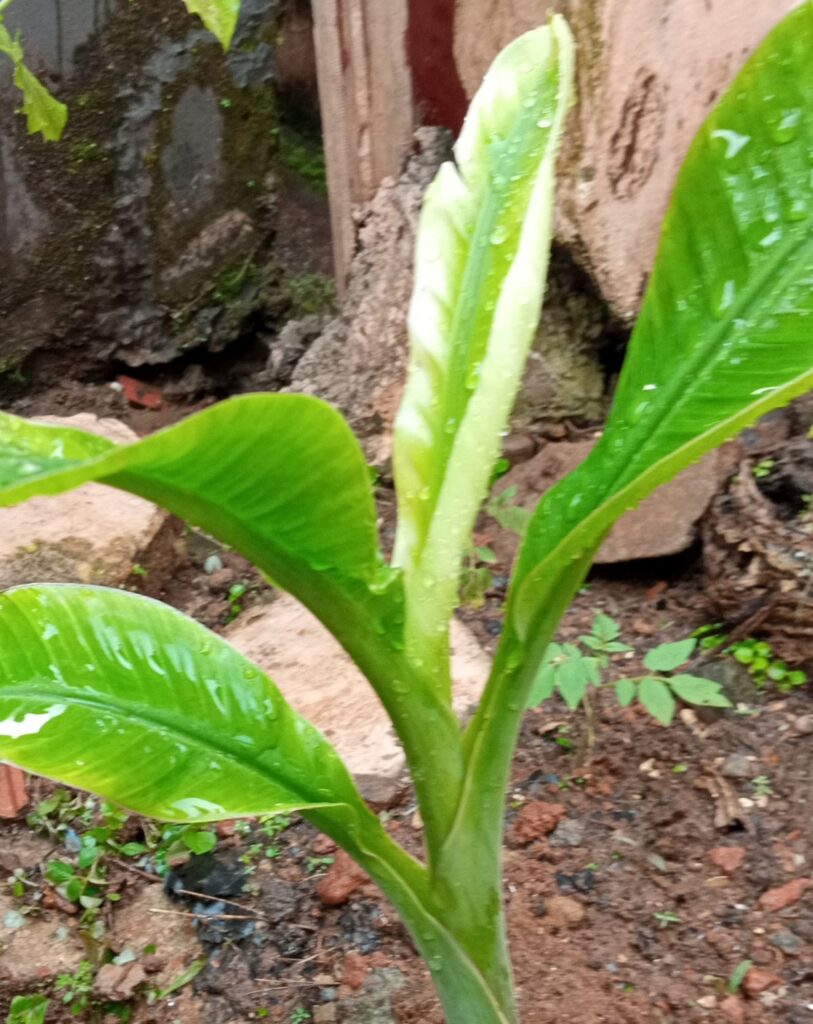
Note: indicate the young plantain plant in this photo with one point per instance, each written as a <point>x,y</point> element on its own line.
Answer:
<point>123,696</point>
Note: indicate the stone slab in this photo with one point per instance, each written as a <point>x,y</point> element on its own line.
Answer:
<point>91,535</point>
<point>321,683</point>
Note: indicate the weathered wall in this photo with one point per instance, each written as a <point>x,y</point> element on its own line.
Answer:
<point>648,72</point>
<point>121,241</point>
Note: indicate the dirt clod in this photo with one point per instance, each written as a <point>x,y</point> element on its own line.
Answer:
<point>537,820</point>
<point>728,858</point>
<point>784,895</point>
<point>118,982</point>
<point>344,877</point>
<point>563,912</point>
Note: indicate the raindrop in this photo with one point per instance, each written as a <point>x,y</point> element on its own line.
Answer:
<point>499,235</point>
<point>787,128</point>
<point>544,122</point>
<point>734,141</point>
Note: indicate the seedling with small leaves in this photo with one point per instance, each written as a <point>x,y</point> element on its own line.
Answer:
<point>569,671</point>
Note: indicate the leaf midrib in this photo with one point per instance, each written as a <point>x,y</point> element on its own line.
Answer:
<point>130,711</point>
<point>698,363</point>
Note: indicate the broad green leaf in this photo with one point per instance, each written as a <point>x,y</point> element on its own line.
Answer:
<point>116,693</point>
<point>278,477</point>
<point>667,657</point>
<point>605,628</point>
<point>656,698</point>
<point>696,690</point>
<point>726,328</point>
<point>481,262</point>
<point>219,16</point>
<point>27,1010</point>
<point>625,690</point>
<point>572,679</point>
<point>44,113</point>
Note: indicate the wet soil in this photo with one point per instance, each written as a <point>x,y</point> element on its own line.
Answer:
<point>642,904</point>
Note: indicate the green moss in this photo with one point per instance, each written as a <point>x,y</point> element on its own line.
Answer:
<point>309,293</point>
<point>304,155</point>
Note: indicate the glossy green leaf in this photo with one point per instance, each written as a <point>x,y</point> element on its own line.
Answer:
<point>481,262</point>
<point>28,1010</point>
<point>219,16</point>
<point>726,328</point>
<point>278,477</point>
<point>696,690</point>
<point>116,693</point>
<point>625,690</point>
<point>44,113</point>
<point>654,694</point>
<point>667,657</point>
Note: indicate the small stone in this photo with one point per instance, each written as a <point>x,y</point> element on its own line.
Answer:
<point>643,628</point>
<point>323,845</point>
<point>343,878</point>
<point>518,448</point>
<point>118,982</point>
<point>803,725</point>
<point>757,981</point>
<point>569,832</point>
<point>537,819</point>
<point>707,1002</point>
<point>732,1009</point>
<point>727,858</point>
<point>784,895</point>
<point>788,942</point>
<point>325,1014</point>
<point>563,912</point>
<point>737,766</point>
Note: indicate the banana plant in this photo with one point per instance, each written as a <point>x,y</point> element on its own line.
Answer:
<point>121,695</point>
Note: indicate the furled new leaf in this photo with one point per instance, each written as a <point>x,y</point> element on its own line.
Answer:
<point>116,693</point>
<point>481,263</point>
<point>219,16</point>
<point>726,328</point>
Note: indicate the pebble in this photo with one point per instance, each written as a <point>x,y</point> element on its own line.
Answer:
<point>707,1002</point>
<point>737,766</point>
<point>563,912</point>
<point>803,725</point>
<point>757,981</point>
<point>732,1009</point>
<point>788,942</point>
<point>784,895</point>
<point>728,858</point>
<point>569,832</point>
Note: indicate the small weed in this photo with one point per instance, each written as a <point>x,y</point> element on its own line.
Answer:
<point>763,468</point>
<point>300,1015</point>
<point>507,513</point>
<point>573,669</point>
<point>27,1010</point>
<point>236,594</point>
<point>738,976</point>
<point>666,918</point>
<point>138,570</point>
<point>758,657</point>
<point>76,987</point>
<point>761,786</point>
<point>315,864</point>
